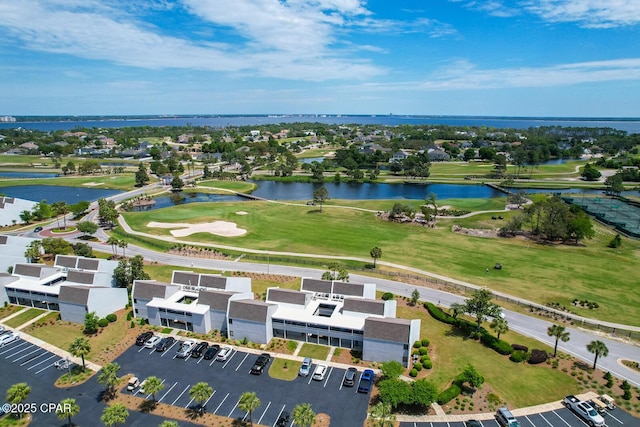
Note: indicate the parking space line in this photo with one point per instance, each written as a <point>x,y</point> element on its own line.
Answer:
<point>18,352</point>
<point>230,357</point>
<point>265,411</point>
<point>545,419</point>
<point>152,351</point>
<point>245,358</point>
<point>26,355</point>
<point>185,389</point>
<point>609,414</point>
<point>342,382</point>
<point>328,375</point>
<point>44,369</point>
<point>225,398</point>
<point>187,405</point>
<point>207,401</point>
<point>20,344</point>
<point>48,358</point>
<point>212,361</point>
<point>563,420</point>
<point>33,358</point>
<point>201,359</point>
<point>165,395</point>
<point>233,409</point>
<point>310,378</point>
<point>530,422</point>
<point>279,414</point>
<point>141,348</point>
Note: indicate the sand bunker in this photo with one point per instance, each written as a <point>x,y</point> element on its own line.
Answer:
<point>219,228</point>
<point>93,184</point>
<point>242,213</point>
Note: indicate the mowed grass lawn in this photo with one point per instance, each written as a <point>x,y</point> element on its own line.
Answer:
<point>124,181</point>
<point>24,317</point>
<point>518,384</point>
<point>543,273</point>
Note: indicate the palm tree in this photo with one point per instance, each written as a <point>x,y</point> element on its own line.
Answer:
<point>153,385</point>
<point>560,332</point>
<point>114,415</point>
<point>109,377</point>
<point>500,326</point>
<point>375,253</point>
<point>114,243</point>
<point>383,414</point>
<point>200,393</point>
<point>80,348</point>
<point>303,415</point>
<point>56,207</point>
<point>67,408</point>
<point>599,349</point>
<point>18,393</point>
<point>456,309</point>
<point>123,244</point>
<point>249,402</point>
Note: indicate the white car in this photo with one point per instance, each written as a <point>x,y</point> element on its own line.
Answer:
<point>7,338</point>
<point>141,386</point>
<point>185,349</point>
<point>153,341</point>
<point>319,373</point>
<point>224,353</point>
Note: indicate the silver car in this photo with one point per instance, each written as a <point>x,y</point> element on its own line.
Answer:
<point>305,369</point>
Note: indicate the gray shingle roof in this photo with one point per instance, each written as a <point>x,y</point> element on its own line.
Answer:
<point>364,306</point>
<point>148,290</point>
<point>83,277</point>
<point>66,261</point>
<point>31,270</point>
<point>353,289</point>
<point>3,240</point>
<point>210,281</point>
<point>253,310</point>
<point>315,285</point>
<point>216,300</point>
<point>185,278</point>
<point>88,264</point>
<point>287,296</point>
<point>74,294</point>
<point>387,329</point>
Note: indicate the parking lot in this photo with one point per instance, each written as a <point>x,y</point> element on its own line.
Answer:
<point>559,418</point>
<point>230,378</point>
<point>31,358</point>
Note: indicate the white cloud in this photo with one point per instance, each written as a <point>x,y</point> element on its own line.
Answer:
<point>464,75</point>
<point>492,7</point>
<point>588,13</point>
<point>289,40</point>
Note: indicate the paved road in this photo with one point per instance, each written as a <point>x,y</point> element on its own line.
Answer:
<point>531,326</point>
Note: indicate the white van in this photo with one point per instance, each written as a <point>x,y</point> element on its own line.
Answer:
<point>505,418</point>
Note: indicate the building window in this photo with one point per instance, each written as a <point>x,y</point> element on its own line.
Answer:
<point>231,321</point>
<point>406,346</point>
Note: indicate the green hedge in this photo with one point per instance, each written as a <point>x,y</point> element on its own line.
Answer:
<point>425,342</point>
<point>413,373</point>
<point>493,343</point>
<point>450,393</point>
<point>387,296</point>
<point>519,356</point>
<point>427,364</point>
<point>103,322</point>
<point>111,317</point>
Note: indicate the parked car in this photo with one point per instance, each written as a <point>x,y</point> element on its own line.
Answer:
<point>283,420</point>
<point>350,377</point>
<point>7,338</point>
<point>366,381</point>
<point>505,418</point>
<point>260,363</point>
<point>165,343</point>
<point>141,387</point>
<point>473,423</point>
<point>143,337</point>
<point>224,354</point>
<point>319,373</point>
<point>153,341</point>
<point>211,352</point>
<point>62,364</point>
<point>185,349</point>
<point>37,229</point>
<point>305,369</point>
<point>199,349</point>
<point>133,384</point>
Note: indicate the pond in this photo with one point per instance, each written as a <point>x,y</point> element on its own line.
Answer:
<point>176,199</point>
<point>6,174</point>
<point>71,195</point>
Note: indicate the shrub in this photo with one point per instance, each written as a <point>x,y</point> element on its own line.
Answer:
<point>387,296</point>
<point>417,366</point>
<point>425,342</point>
<point>493,343</point>
<point>417,344</point>
<point>133,324</point>
<point>423,351</point>
<point>626,395</point>
<point>112,317</point>
<point>520,347</point>
<point>538,356</point>
<point>424,359</point>
<point>129,316</point>
<point>448,394</point>
<point>413,373</point>
<point>103,322</point>
<point>438,314</point>
<point>428,364</point>
<point>518,356</point>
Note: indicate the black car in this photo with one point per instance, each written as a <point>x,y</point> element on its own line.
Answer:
<point>260,363</point>
<point>211,352</point>
<point>165,343</point>
<point>199,349</point>
<point>283,420</point>
<point>350,377</point>
<point>37,229</point>
<point>473,423</point>
<point>143,337</point>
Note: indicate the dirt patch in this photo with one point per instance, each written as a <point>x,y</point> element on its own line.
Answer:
<point>219,228</point>
<point>475,232</point>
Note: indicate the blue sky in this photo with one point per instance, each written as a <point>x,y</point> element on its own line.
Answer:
<point>561,58</point>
